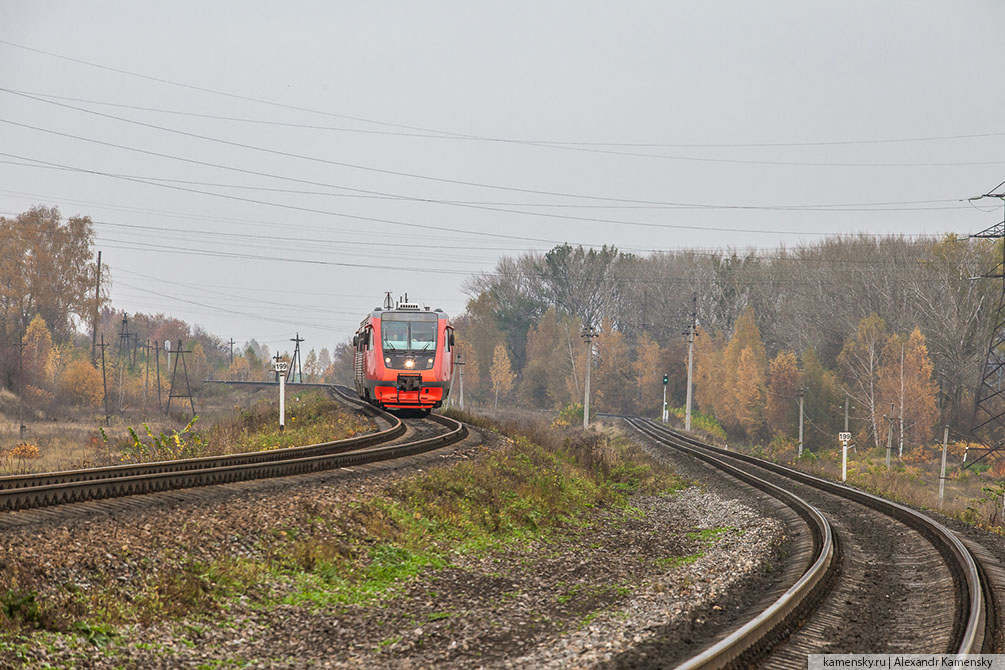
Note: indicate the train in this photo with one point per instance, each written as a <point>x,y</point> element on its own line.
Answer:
<point>404,357</point>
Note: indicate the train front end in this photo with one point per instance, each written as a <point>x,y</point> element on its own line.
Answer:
<point>404,358</point>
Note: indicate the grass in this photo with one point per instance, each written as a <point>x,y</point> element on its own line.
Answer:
<point>973,497</point>
<point>331,556</point>
<point>236,421</point>
<point>678,561</point>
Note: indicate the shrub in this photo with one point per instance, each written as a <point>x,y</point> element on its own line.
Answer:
<point>80,384</point>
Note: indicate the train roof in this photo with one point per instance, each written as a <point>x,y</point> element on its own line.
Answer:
<point>402,312</point>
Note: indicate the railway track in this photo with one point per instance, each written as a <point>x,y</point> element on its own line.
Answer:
<point>22,492</point>
<point>896,581</point>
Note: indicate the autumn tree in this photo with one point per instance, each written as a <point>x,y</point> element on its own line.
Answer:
<point>324,363</point>
<point>311,366</point>
<point>708,375</point>
<point>860,360</point>
<point>614,377</point>
<point>648,372</point>
<point>905,379</point>
<point>822,396</point>
<point>743,369</point>
<point>781,412</point>
<point>39,355</point>
<point>501,373</point>
<point>542,382</point>
<point>48,270</point>
<point>481,337</point>
<point>239,370</point>
<point>80,384</point>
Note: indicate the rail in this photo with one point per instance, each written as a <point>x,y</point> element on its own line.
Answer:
<point>32,491</point>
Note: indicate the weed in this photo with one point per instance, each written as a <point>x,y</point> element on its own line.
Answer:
<point>21,606</point>
<point>98,635</point>
<point>677,561</point>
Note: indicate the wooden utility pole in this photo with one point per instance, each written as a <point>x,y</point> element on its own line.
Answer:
<point>180,354</point>
<point>146,377</point>
<point>232,351</point>
<point>157,363</point>
<point>97,303</point>
<point>296,371</point>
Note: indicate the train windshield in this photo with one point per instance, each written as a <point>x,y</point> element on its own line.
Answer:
<point>405,334</point>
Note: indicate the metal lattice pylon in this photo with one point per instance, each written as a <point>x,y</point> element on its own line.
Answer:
<point>988,426</point>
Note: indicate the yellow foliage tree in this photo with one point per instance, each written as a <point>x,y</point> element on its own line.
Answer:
<point>239,369</point>
<point>783,386</point>
<point>501,373</point>
<point>859,361</point>
<point>542,383</point>
<point>39,355</point>
<point>747,402</point>
<point>80,383</point>
<point>709,384</point>
<point>904,379</point>
<point>614,378</point>
<point>648,373</point>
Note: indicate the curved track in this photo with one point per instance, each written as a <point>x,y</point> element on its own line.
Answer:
<point>900,583</point>
<point>43,490</point>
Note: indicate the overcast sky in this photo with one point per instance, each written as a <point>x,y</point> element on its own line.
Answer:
<point>383,139</point>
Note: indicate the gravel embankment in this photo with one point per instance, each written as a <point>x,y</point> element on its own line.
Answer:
<point>580,599</point>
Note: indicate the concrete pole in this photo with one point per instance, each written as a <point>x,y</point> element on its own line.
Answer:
<point>690,367</point>
<point>460,366</point>
<point>846,414</point>
<point>801,422</point>
<point>97,302</point>
<point>942,471</point>
<point>844,460</point>
<point>589,362</point>
<point>889,438</point>
<point>282,403</point>
<point>664,417</point>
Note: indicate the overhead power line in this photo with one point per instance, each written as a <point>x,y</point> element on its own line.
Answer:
<point>882,206</point>
<point>443,134</point>
<point>418,225</point>
<point>412,175</point>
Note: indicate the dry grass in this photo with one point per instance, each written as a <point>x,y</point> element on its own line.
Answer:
<point>76,441</point>
<point>969,496</point>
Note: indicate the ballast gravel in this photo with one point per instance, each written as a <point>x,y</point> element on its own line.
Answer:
<point>617,595</point>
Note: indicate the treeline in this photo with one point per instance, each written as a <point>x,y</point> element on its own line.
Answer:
<point>47,312</point>
<point>871,320</point>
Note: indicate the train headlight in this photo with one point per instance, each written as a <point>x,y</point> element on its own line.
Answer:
<point>429,360</point>
<point>409,363</point>
<point>387,360</point>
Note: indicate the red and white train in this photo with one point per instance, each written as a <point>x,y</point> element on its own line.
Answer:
<point>404,357</point>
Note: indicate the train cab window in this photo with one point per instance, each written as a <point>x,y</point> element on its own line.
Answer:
<point>395,334</point>
<point>408,334</point>
<point>423,336</point>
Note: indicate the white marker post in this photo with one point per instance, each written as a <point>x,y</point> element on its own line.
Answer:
<point>666,412</point>
<point>281,368</point>
<point>845,439</point>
